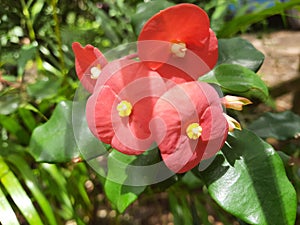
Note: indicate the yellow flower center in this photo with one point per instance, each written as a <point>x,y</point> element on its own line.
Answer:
<point>194,131</point>
<point>179,49</point>
<point>124,108</point>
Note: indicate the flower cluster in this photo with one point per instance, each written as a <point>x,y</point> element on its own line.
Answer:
<point>156,99</point>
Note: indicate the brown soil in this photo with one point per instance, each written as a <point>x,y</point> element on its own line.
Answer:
<point>281,68</point>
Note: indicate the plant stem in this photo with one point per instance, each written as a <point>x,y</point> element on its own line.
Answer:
<point>58,36</point>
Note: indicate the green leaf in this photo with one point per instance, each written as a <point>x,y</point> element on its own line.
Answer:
<point>282,126</point>
<point>11,124</point>
<point>54,141</point>
<point>9,103</point>
<point>240,52</point>
<point>7,215</point>
<point>76,186</point>
<point>126,178</point>
<point>145,11</point>
<point>32,184</point>
<point>237,80</point>
<point>37,8</point>
<point>249,181</point>
<point>57,183</point>
<point>18,194</point>
<point>45,87</point>
<point>27,53</point>
<point>27,118</point>
<point>180,208</point>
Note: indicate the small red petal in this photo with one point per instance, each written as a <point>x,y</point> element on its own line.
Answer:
<point>98,114</point>
<point>180,23</point>
<point>173,74</point>
<point>183,23</point>
<point>209,53</point>
<point>85,58</point>
<point>141,87</point>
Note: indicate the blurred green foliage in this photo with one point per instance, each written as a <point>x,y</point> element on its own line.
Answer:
<point>37,73</point>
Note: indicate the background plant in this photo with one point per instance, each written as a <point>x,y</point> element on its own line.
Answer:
<point>38,82</point>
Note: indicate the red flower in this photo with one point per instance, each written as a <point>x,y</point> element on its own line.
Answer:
<point>179,36</point>
<point>120,109</point>
<point>89,62</point>
<point>190,125</point>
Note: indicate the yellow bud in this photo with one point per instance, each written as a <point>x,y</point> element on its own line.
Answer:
<point>235,102</point>
<point>232,123</point>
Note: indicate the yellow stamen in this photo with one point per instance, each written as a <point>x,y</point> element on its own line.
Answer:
<point>95,71</point>
<point>124,108</point>
<point>179,49</point>
<point>194,131</point>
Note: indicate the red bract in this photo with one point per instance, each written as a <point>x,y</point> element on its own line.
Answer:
<point>179,36</point>
<point>190,125</point>
<point>89,62</point>
<point>120,109</point>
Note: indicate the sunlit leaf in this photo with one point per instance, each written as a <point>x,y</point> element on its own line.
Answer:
<point>18,194</point>
<point>237,80</point>
<point>7,215</point>
<point>32,184</point>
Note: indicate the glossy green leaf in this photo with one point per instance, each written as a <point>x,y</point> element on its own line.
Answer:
<point>237,80</point>
<point>32,184</point>
<point>125,173</point>
<point>249,181</point>
<point>145,11</point>
<point>54,141</point>
<point>7,215</point>
<point>282,126</point>
<point>18,194</point>
<point>241,52</point>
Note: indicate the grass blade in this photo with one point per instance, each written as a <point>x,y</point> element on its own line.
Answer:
<point>18,194</point>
